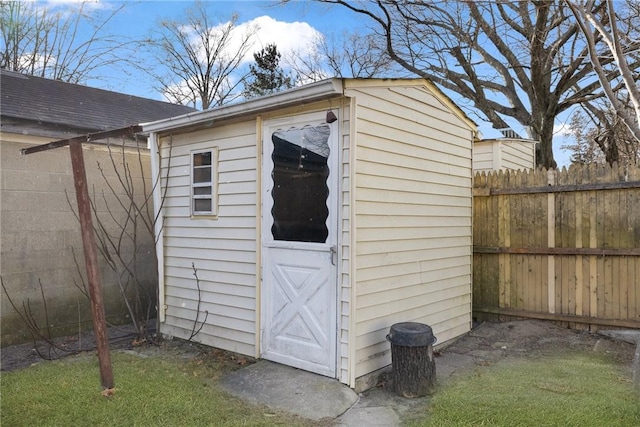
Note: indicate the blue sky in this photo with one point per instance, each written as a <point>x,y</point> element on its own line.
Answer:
<point>291,27</point>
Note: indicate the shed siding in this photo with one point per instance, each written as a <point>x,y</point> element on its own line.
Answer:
<point>222,249</point>
<point>413,218</point>
<point>503,154</point>
<point>518,155</point>
<point>483,156</point>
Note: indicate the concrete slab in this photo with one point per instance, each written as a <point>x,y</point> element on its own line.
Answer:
<point>380,406</point>
<point>378,416</point>
<point>316,397</point>
<point>293,390</point>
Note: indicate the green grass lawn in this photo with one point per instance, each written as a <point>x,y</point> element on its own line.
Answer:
<point>150,391</point>
<point>570,390</point>
<point>579,390</point>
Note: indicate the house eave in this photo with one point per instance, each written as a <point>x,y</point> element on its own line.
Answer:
<point>325,89</point>
<point>38,128</point>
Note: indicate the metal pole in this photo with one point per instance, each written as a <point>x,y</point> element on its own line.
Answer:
<point>91,261</point>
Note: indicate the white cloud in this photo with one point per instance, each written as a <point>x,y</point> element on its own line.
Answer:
<point>88,6</point>
<point>287,36</point>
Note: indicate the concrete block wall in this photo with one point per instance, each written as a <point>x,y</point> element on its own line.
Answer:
<point>40,234</point>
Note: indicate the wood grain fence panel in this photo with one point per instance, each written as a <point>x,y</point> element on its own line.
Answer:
<point>492,263</point>
<point>570,242</point>
<point>578,200</point>
<point>478,214</point>
<point>609,300</point>
<point>586,289</point>
<point>542,283</point>
<point>527,285</point>
<point>521,281</point>
<point>613,232</point>
<point>479,230</point>
<point>557,289</point>
<point>540,232</point>
<point>559,244</point>
<point>482,283</point>
<point>600,288</point>
<point>593,264</point>
<point>563,235</point>
<point>504,239</point>
<point>565,283</point>
<point>485,271</point>
<point>494,238</point>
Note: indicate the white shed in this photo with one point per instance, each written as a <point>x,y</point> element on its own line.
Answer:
<point>315,219</point>
<point>504,153</point>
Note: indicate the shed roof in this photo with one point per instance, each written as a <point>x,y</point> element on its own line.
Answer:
<point>57,103</point>
<point>325,89</point>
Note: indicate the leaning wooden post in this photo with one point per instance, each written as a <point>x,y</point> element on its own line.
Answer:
<point>88,238</point>
<point>91,262</point>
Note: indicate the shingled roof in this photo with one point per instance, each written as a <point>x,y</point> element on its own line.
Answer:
<point>43,103</point>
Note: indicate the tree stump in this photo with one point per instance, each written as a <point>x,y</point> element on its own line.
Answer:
<point>414,370</point>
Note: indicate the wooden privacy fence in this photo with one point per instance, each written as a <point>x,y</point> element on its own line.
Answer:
<point>562,245</point>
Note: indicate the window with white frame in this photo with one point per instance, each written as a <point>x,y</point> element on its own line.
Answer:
<point>203,183</point>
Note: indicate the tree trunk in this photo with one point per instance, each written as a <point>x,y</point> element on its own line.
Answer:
<point>608,146</point>
<point>543,132</point>
<point>414,370</point>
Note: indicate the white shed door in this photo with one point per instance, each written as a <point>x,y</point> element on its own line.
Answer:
<point>299,294</point>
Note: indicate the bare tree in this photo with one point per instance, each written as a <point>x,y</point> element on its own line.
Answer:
<point>308,65</point>
<point>620,50</point>
<point>583,148</point>
<point>599,135</point>
<point>519,61</point>
<point>199,63</point>
<point>350,55</point>
<point>40,41</point>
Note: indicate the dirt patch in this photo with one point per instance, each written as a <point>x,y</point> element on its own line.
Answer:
<point>491,342</point>
<point>121,338</point>
<point>24,355</point>
<point>487,343</point>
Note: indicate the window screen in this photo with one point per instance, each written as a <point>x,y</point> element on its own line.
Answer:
<point>202,183</point>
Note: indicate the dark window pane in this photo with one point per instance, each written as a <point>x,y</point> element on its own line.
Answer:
<point>201,191</point>
<point>202,159</point>
<point>300,189</point>
<point>202,205</point>
<point>202,174</point>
